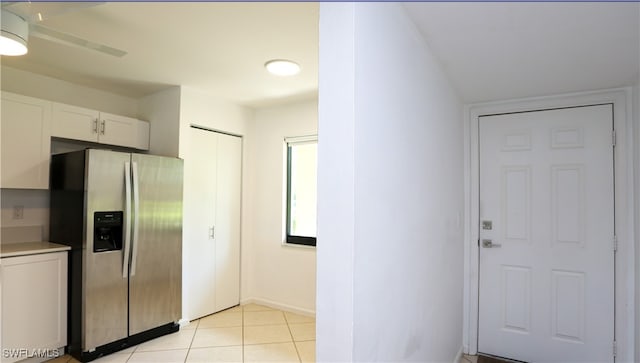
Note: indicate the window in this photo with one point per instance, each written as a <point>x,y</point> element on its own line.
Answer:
<point>301,190</point>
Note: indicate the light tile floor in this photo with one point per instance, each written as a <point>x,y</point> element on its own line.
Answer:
<point>248,333</point>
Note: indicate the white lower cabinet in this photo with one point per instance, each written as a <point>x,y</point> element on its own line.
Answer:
<point>34,305</point>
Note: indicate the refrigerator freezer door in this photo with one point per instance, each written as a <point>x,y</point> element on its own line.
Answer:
<point>155,290</point>
<point>105,303</point>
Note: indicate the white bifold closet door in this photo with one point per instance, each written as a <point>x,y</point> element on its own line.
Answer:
<point>213,180</point>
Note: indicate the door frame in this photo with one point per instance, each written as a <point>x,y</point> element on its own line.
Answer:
<point>624,207</point>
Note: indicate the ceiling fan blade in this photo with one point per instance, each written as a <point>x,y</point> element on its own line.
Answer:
<point>68,39</point>
<point>39,11</point>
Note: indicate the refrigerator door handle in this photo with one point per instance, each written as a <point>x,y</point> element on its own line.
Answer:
<point>136,209</point>
<point>127,219</point>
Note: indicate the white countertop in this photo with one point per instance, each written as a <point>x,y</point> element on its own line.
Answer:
<point>30,248</point>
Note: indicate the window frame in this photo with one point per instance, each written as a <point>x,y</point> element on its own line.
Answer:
<point>290,239</point>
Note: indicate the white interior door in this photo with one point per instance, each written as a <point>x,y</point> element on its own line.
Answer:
<point>227,231</point>
<point>200,178</point>
<point>213,184</point>
<point>546,235</point>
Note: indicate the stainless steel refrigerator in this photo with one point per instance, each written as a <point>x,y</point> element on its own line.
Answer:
<point>121,214</point>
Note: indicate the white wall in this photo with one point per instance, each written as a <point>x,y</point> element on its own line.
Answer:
<point>636,143</point>
<point>52,89</point>
<point>278,275</point>
<point>407,189</point>
<point>162,110</point>
<point>336,206</point>
<point>35,212</point>
<point>199,108</point>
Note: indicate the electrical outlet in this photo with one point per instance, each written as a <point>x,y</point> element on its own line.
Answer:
<point>18,212</point>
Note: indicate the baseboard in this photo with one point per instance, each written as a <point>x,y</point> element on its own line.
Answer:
<point>458,358</point>
<point>278,305</point>
<point>183,323</point>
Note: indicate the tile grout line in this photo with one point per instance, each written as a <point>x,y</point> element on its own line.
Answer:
<point>195,331</point>
<point>295,346</point>
<point>131,355</point>
<point>242,330</point>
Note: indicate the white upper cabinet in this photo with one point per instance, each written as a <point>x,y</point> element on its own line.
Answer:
<point>25,144</point>
<point>123,131</point>
<point>27,125</point>
<point>78,123</point>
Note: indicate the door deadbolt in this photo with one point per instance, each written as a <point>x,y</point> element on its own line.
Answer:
<point>487,243</point>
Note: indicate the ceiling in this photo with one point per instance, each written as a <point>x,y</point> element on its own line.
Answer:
<point>490,51</point>
<point>219,48</point>
<point>506,50</point>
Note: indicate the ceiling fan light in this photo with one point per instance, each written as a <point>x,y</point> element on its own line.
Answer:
<point>282,67</point>
<point>12,45</point>
<point>14,34</point>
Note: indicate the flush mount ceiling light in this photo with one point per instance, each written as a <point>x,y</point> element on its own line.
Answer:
<point>282,67</point>
<point>14,35</point>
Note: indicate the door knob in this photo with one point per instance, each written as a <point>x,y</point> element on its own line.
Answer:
<point>487,243</point>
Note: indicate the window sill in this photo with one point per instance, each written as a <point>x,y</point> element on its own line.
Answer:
<point>295,245</point>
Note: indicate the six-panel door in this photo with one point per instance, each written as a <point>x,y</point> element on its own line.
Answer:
<point>546,230</point>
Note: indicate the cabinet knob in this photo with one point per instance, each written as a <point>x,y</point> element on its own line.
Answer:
<point>103,128</point>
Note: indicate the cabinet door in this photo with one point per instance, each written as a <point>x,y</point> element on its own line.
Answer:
<point>25,142</point>
<point>34,302</point>
<point>75,123</point>
<point>118,130</point>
